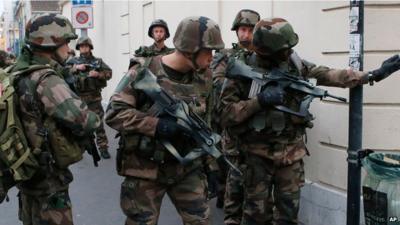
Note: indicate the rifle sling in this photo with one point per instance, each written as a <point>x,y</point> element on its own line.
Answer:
<point>192,155</point>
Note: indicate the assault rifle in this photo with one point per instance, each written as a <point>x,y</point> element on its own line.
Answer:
<point>276,77</point>
<point>194,126</point>
<point>94,65</point>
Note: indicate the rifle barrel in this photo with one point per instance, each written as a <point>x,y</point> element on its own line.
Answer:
<point>336,97</point>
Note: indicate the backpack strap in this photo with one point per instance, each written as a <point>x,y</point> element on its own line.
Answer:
<point>45,71</point>
<point>147,62</point>
<point>298,63</point>
<point>30,69</point>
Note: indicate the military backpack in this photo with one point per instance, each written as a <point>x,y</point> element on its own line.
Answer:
<point>19,161</point>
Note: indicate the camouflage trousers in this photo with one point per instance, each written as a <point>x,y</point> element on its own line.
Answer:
<point>233,199</point>
<point>101,137</point>
<point>222,175</point>
<point>45,210</point>
<point>266,183</point>
<point>141,199</point>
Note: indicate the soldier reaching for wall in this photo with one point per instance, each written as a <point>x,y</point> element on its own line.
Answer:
<point>264,112</point>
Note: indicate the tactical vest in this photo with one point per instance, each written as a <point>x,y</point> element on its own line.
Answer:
<point>272,126</point>
<point>195,93</point>
<point>85,84</point>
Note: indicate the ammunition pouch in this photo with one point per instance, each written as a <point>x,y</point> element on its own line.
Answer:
<point>143,146</point>
<point>63,145</point>
<point>90,84</point>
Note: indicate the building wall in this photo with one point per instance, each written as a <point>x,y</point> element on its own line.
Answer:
<point>323,30</point>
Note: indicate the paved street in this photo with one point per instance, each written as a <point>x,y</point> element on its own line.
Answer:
<point>95,196</point>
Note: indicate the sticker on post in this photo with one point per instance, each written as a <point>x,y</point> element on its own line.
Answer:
<point>355,45</point>
<point>354,19</point>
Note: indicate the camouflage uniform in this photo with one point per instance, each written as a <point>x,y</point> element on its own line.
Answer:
<point>150,171</point>
<point>89,88</point>
<point>274,151</point>
<point>44,96</point>
<point>230,183</point>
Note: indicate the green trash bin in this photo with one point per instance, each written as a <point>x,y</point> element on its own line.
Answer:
<point>381,189</point>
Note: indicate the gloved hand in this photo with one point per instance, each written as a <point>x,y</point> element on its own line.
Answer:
<point>167,128</point>
<point>388,67</point>
<point>272,95</point>
<point>212,180</point>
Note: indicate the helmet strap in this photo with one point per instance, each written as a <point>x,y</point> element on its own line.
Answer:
<point>196,66</point>
<point>193,59</point>
<point>59,59</point>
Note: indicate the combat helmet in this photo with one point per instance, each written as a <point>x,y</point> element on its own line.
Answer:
<point>84,41</point>
<point>49,31</point>
<point>245,17</point>
<point>195,33</point>
<point>272,35</point>
<point>158,23</point>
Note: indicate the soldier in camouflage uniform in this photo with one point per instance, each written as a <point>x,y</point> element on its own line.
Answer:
<point>243,25</point>
<point>159,32</point>
<point>272,140</point>
<point>91,75</point>
<point>45,99</point>
<point>150,171</point>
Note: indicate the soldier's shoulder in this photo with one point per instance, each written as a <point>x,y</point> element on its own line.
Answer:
<point>42,73</point>
<point>168,50</point>
<point>37,76</point>
<point>139,61</point>
<point>143,51</point>
<point>142,47</point>
<point>97,58</point>
<point>136,64</point>
<point>218,57</point>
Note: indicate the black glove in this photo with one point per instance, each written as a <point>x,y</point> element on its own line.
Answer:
<point>212,180</point>
<point>167,128</point>
<point>272,95</point>
<point>388,67</point>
